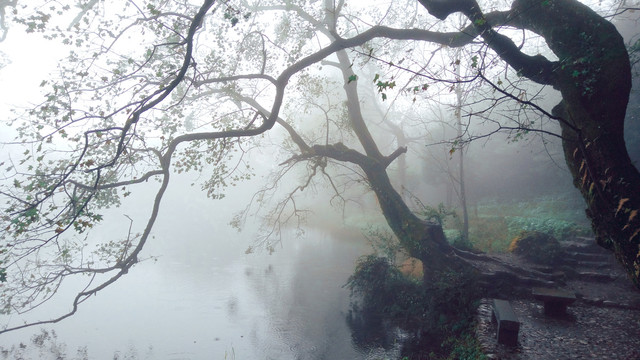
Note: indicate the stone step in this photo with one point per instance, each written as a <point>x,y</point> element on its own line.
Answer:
<point>582,247</point>
<point>576,267</point>
<point>544,269</point>
<point>584,274</point>
<point>587,256</point>
<point>596,276</point>
<point>600,265</point>
<point>588,276</point>
<point>578,264</point>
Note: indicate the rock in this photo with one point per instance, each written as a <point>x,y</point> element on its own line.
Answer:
<point>537,247</point>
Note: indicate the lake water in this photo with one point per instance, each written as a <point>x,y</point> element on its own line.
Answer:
<point>204,298</point>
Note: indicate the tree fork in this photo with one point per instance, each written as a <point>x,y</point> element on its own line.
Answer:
<point>593,75</point>
<point>423,240</point>
<point>594,78</point>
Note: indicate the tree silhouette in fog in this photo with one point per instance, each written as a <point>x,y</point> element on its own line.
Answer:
<point>152,88</point>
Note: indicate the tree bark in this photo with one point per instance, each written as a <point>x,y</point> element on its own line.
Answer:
<point>594,77</point>
<point>461,180</point>
<point>421,239</point>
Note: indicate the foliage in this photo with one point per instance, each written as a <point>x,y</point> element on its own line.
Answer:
<point>465,347</point>
<point>489,233</point>
<point>383,289</point>
<point>497,222</point>
<point>448,219</point>
<point>195,87</point>
<point>43,345</point>
<point>537,247</point>
<point>456,238</point>
<point>436,314</point>
<point>384,243</point>
<point>438,214</point>
<point>560,229</point>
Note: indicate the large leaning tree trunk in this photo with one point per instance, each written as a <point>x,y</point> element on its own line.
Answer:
<point>422,239</point>
<point>594,77</point>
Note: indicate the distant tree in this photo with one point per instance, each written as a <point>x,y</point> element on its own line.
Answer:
<point>156,87</point>
<point>593,75</point>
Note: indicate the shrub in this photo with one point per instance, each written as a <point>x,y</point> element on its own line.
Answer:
<point>456,239</point>
<point>465,347</point>
<point>560,229</point>
<point>536,246</point>
<point>383,242</point>
<point>383,289</point>
<point>495,222</point>
<point>489,233</point>
<point>434,313</point>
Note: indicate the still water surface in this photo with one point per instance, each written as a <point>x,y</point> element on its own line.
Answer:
<point>213,301</point>
<point>204,298</point>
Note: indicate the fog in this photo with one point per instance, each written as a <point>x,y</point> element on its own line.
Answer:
<point>225,278</point>
<point>198,295</point>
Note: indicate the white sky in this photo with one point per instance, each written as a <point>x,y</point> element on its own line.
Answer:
<point>32,59</point>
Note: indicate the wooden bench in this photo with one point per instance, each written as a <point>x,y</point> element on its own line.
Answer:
<point>507,321</point>
<point>555,300</point>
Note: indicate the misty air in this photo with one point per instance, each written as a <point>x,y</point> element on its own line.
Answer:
<point>319,180</point>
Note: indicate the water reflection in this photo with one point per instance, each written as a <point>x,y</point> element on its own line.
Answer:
<point>219,303</point>
<point>304,299</point>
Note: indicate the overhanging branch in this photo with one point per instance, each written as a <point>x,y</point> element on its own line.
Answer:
<point>537,67</point>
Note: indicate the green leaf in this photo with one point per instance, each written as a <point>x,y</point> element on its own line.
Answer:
<point>480,22</point>
<point>352,78</point>
<point>32,212</point>
<point>152,9</point>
